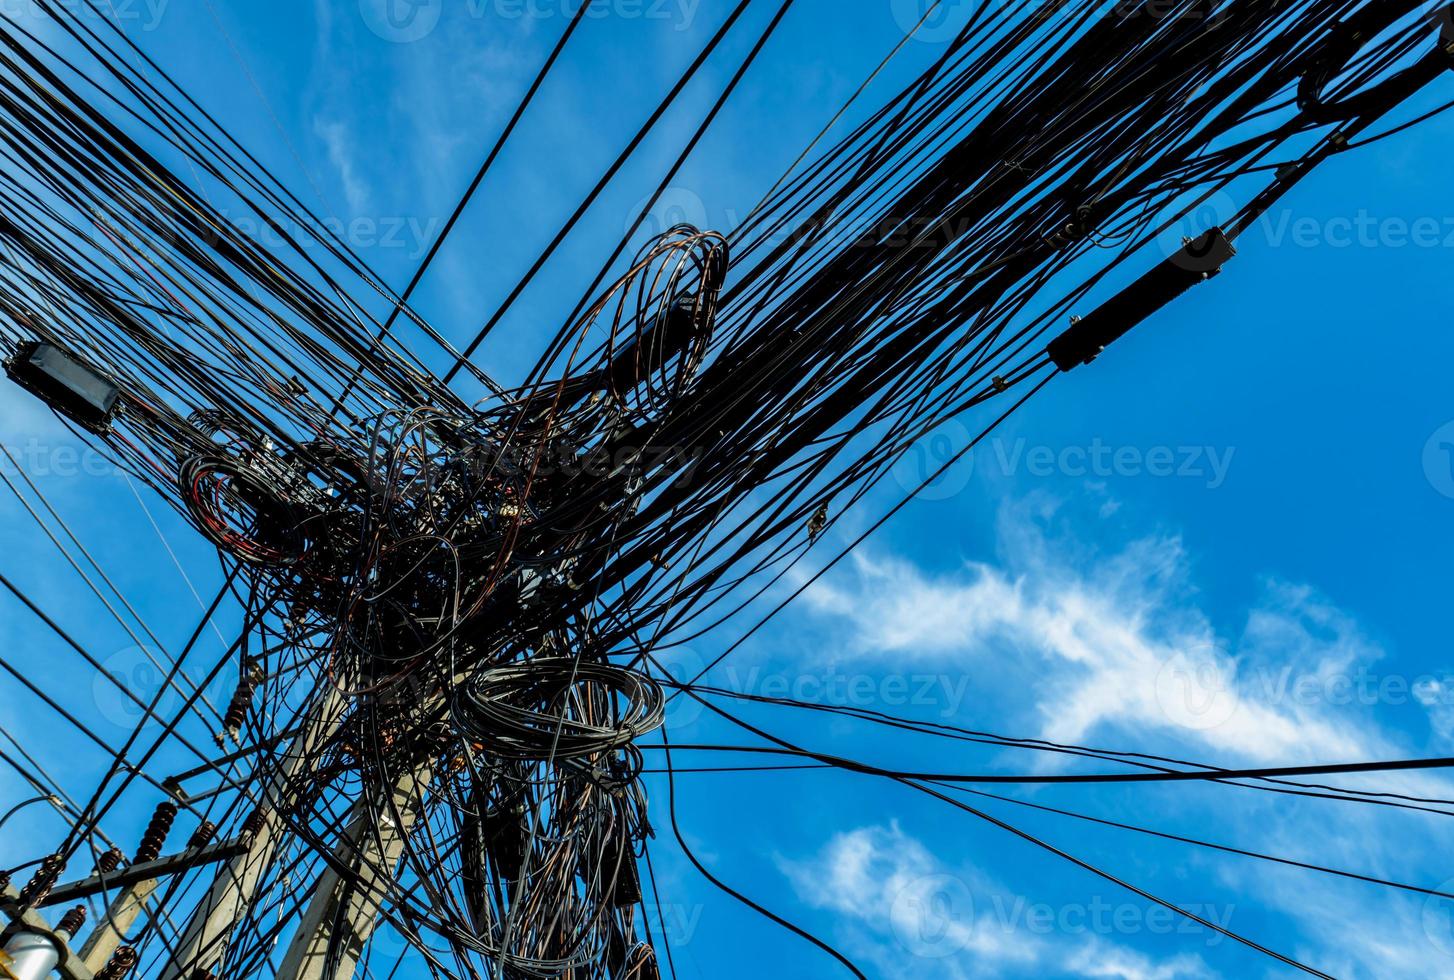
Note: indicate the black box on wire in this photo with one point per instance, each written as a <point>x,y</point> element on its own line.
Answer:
<point>73,389</point>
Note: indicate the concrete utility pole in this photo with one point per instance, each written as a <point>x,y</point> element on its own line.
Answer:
<point>119,919</point>
<point>204,941</point>
<point>371,851</point>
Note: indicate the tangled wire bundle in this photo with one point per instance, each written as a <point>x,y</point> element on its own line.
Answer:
<point>548,708</point>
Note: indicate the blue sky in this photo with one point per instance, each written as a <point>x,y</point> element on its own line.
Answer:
<point>1226,540</point>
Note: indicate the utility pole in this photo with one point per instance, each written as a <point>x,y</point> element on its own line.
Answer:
<point>203,942</point>
<point>349,906</point>
<point>108,933</point>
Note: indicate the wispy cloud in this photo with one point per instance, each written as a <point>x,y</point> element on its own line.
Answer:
<point>1121,642</point>
<point>1118,963</point>
<point>1118,646</point>
<point>343,155</point>
<point>914,915</point>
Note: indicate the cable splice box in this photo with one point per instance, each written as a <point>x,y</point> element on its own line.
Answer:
<point>1197,261</point>
<point>73,389</point>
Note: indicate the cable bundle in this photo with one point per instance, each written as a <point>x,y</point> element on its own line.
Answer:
<point>454,611</point>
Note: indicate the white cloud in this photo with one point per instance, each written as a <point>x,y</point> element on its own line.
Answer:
<point>1397,936</point>
<point>1119,647</point>
<point>915,916</point>
<point>884,876</point>
<point>342,153</point>
<point>1436,695</point>
<point>1117,963</point>
<point>1121,643</point>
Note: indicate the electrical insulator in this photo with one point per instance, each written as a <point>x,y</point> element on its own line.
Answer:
<point>156,833</point>
<point>32,955</point>
<point>72,921</point>
<point>109,861</point>
<point>120,964</point>
<point>254,823</point>
<point>203,835</point>
<point>236,714</point>
<point>40,884</point>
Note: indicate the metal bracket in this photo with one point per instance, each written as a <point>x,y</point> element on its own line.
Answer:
<point>146,871</point>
